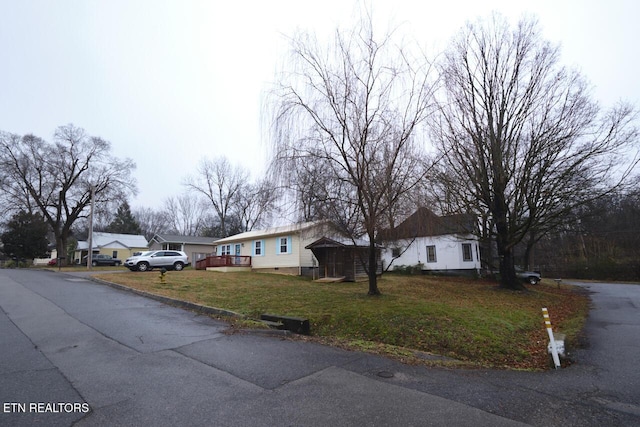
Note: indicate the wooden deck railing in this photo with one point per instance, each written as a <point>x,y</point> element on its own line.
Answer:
<point>224,261</point>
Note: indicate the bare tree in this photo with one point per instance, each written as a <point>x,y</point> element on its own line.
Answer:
<point>151,221</point>
<point>309,187</point>
<point>255,203</point>
<point>55,179</point>
<point>221,184</point>
<point>185,215</point>
<point>352,111</point>
<point>522,140</point>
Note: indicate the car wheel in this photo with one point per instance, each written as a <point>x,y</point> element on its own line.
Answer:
<point>178,266</point>
<point>117,264</point>
<point>94,263</point>
<point>533,280</point>
<point>143,266</point>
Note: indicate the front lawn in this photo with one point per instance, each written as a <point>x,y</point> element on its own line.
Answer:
<point>472,321</point>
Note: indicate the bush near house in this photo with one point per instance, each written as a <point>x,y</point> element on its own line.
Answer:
<point>472,321</point>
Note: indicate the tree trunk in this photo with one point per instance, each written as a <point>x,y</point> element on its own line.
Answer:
<point>372,269</point>
<point>61,250</point>
<point>529,254</point>
<point>63,242</point>
<point>508,278</point>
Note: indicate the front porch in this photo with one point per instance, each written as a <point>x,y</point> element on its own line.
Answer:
<point>224,263</point>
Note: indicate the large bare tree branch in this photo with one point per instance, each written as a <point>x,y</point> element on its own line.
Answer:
<point>522,140</point>
<point>346,120</point>
<point>55,179</point>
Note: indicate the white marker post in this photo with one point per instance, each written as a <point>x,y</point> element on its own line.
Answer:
<point>554,349</point>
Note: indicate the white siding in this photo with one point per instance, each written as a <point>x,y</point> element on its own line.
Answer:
<point>448,253</point>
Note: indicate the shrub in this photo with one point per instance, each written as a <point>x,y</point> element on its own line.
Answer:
<point>408,269</point>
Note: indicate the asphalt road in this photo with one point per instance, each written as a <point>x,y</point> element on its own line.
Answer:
<point>73,352</point>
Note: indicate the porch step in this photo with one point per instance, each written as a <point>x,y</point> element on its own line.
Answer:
<point>228,269</point>
<point>330,279</point>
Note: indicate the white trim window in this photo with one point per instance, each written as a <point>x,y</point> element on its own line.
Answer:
<point>258,248</point>
<point>467,253</point>
<point>283,245</point>
<point>225,250</point>
<point>431,253</point>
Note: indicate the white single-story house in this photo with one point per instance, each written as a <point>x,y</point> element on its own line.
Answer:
<point>277,249</point>
<point>120,246</point>
<point>438,244</point>
<point>195,247</point>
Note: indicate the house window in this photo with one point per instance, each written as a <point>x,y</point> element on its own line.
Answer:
<point>172,246</point>
<point>114,254</point>
<point>225,250</point>
<point>257,248</point>
<point>395,252</point>
<point>283,245</point>
<point>431,253</point>
<point>467,254</point>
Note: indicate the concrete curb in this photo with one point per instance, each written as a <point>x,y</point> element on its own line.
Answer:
<point>204,309</point>
<point>172,301</point>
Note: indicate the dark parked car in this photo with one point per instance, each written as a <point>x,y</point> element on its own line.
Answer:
<point>100,259</point>
<point>531,277</point>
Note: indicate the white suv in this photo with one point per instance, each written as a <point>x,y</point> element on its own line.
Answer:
<point>171,260</point>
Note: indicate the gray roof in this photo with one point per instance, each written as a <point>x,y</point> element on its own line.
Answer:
<point>104,240</point>
<point>191,240</point>
<point>331,242</point>
<point>273,231</point>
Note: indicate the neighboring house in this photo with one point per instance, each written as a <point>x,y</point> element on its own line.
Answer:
<point>53,254</point>
<point>342,259</point>
<point>277,249</point>
<point>120,246</point>
<point>439,244</point>
<point>195,247</point>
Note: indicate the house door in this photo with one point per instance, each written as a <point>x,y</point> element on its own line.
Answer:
<point>237,260</point>
<point>333,263</point>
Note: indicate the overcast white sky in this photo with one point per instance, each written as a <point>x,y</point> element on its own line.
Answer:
<point>168,82</point>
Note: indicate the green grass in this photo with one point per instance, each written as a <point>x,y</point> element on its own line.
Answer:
<point>472,321</point>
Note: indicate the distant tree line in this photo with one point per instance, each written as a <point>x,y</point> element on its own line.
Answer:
<point>220,200</point>
<point>600,240</point>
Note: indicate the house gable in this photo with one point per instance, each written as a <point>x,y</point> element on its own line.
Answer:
<point>423,222</point>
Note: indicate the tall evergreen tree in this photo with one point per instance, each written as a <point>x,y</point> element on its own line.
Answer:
<point>25,236</point>
<point>124,222</point>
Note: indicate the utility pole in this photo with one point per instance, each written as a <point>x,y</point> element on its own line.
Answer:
<point>90,254</point>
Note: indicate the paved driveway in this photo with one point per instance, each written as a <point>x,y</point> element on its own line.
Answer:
<point>101,356</point>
